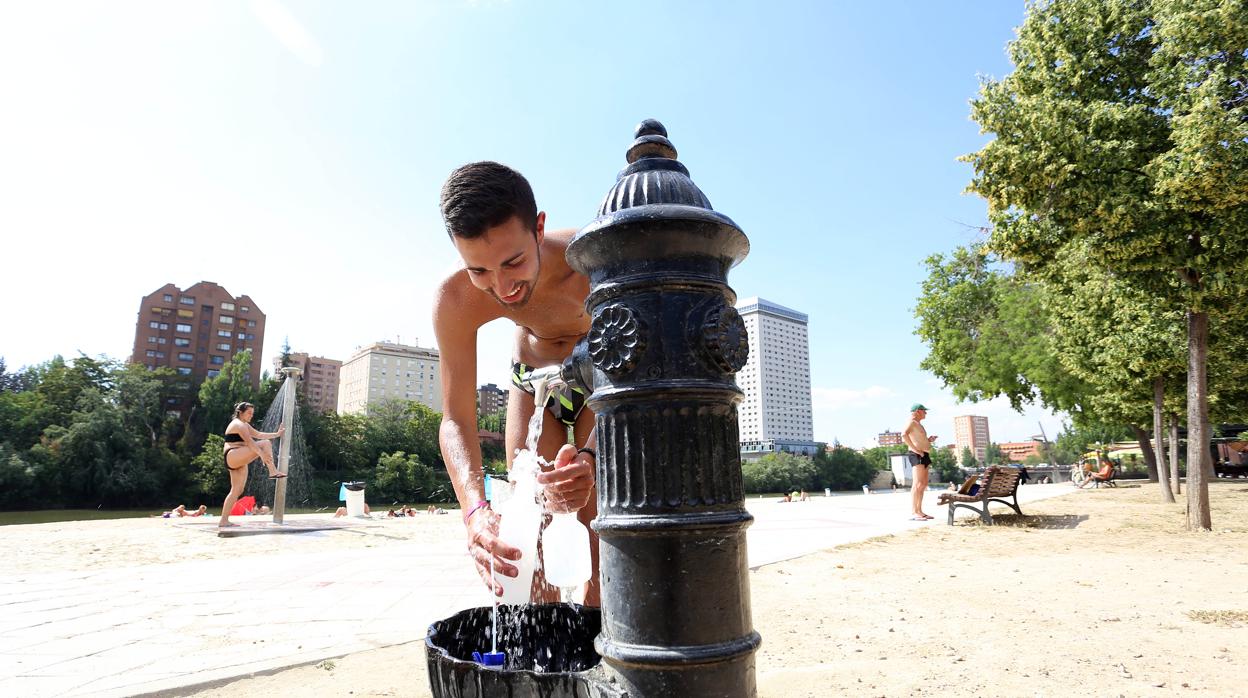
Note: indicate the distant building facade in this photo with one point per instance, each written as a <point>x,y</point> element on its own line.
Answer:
<point>195,331</point>
<point>889,438</point>
<point>1018,451</point>
<point>775,414</point>
<point>491,399</point>
<point>971,431</point>
<point>319,382</point>
<point>389,371</point>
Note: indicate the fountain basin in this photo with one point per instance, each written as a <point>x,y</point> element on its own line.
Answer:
<point>549,647</point>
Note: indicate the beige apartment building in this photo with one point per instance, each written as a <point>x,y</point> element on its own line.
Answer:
<point>971,431</point>
<point>389,371</point>
<point>195,331</point>
<point>319,382</point>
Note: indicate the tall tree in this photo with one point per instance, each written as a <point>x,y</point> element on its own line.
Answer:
<point>219,395</point>
<point>1123,126</point>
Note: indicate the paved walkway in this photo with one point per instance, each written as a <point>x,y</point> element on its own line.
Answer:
<point>138,630</point>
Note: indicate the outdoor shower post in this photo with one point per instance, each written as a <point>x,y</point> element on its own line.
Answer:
<point>663,345</point>
<point>283,453</point>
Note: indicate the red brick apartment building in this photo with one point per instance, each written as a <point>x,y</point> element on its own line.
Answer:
<point>196,331</point>
<point>319,382</point>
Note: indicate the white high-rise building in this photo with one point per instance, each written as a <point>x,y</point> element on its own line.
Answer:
<point>388,371</point>
<point>775,414</point>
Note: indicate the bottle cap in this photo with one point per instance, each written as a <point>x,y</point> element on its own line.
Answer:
<point>490,658</point>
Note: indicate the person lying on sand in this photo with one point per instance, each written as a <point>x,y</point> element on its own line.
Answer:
<point>180,511</point>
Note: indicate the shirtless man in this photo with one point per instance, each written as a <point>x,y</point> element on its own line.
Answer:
<point>512,269</point>
<point>920,445</point>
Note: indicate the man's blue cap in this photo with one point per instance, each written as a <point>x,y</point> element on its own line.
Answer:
<point>917,406</point>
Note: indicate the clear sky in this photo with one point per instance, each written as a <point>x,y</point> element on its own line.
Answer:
<point>293,151</point>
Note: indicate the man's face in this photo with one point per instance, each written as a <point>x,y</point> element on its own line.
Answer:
<point>920,414</point>
<point>506,261</point>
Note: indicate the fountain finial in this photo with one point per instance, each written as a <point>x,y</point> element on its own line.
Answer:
<point>653,176</point>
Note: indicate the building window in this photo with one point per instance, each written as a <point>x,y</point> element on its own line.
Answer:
<point>224,333</point>
<point>151,353</point>
<point>184,370</point>
<point>187,300</point>
<point>183,312</point>
<point>164,325</point>
<point>213,373</point>
<point>227,320</point>
<point>227,306</point>
<point>223,346</point>
<point>250,336</point>
<point>217,360</point>
<point>167,298</point>
<point>185,356</point>
<point>154,325</point>
<point>181,342</point>
<point>244,309</point>
<point>241,335</point>
<point>251,323</point>
<point>183,328</point>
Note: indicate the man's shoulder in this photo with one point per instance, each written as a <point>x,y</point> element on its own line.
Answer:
<point>456,294</point>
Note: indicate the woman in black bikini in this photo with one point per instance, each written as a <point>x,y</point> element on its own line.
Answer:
<point>243,444</point>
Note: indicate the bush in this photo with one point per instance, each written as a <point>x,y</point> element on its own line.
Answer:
<point>403,478</point>
<point>778,472</point>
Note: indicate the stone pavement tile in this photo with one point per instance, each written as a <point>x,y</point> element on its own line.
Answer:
<point>37,686</point>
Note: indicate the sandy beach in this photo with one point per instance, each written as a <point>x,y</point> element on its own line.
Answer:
<point>1098,593</point>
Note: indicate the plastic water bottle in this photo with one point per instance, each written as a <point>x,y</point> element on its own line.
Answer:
<point>520,520</point>
<point>565,551</point>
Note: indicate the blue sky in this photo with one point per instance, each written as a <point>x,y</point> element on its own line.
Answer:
<point>293,151</point>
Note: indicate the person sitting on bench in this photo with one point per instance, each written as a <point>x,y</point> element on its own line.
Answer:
<point>1102,475</point>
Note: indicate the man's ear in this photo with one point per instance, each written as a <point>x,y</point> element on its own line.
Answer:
<point>539,229</point>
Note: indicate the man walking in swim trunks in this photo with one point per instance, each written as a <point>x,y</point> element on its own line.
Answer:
<point>512,269</point>
<point>920,445</point>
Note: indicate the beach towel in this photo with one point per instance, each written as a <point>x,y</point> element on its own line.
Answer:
<point>243,505</point>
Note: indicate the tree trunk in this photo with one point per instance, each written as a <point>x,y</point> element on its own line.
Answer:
<point>1159,431</point>
<point>1174,454</point>
<point>1198,461</point>
<point>1146,448</point>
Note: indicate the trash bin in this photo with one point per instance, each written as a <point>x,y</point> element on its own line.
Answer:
<point>355,498</point>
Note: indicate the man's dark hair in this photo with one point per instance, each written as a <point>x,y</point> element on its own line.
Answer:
<point>481,195</point>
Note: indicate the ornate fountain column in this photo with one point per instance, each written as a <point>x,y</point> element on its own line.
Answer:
<point>662,349</point>
<point>283,449</point>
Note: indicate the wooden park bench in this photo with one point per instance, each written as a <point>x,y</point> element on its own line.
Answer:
<point>998,484</point>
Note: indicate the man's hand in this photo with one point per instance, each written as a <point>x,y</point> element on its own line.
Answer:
<point>568,486</point>
<point>484,545</point>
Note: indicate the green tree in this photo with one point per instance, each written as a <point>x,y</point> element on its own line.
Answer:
<point>209,479</point>
<point>1123,127</point>
<point>968,460</point>
<point>16,479</point>
<point>404,479</point>
<point>988,335</point>
<point>842,468</point>
<point>778,472</point>
<point>993,455</point>
<point>946,465</point>
<point>219,395</point>
<point>878,456</point>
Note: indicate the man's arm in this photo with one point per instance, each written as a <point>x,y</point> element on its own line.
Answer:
<point>456,330</point>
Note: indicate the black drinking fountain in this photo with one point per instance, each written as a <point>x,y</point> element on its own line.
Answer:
<point>663,345</point>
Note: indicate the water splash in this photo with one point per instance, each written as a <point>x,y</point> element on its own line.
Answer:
<point>298,476</point>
